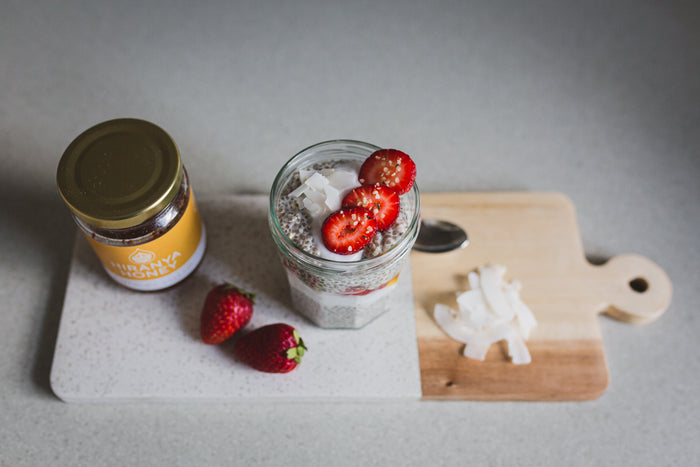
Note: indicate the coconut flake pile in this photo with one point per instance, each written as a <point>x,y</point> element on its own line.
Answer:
<point>323,192</point>
<point>490,312</point>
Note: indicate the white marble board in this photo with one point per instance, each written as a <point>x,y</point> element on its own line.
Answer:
<point>119,345</point>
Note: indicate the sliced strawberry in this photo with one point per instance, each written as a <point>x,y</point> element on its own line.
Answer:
<point>382,201</point>
<point>389,167</point>
<point>358,290</point>
<point>349,230</point>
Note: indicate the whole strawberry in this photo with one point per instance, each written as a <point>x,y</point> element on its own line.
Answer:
<point>226,310</point>
<point>275,348</point>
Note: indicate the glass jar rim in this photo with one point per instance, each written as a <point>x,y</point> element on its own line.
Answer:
<point>317,262</point>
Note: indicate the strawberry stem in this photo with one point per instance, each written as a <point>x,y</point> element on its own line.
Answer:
<point>295,353</point>
<point>226,286</point>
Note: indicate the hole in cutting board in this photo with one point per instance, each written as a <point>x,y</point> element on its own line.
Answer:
<point>639,285</point>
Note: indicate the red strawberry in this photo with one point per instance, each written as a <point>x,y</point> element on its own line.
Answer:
<point>382,201</point>
<point>275,348</point>
<point>226,310</point>
<point>389,167</point>
<point>349,230</point>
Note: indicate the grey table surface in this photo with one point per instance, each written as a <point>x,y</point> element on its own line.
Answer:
<point>598,100</point>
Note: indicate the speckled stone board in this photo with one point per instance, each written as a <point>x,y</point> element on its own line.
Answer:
<point>119,345</point>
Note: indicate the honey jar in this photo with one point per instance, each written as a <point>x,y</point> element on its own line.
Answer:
<point>125,185</point>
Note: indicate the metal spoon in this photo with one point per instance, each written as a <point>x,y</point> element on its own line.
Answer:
<point>437,236</point>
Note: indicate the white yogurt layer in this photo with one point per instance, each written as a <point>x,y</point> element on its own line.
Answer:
<point>331,310</point>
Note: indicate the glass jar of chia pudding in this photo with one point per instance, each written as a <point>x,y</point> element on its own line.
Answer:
<point>130,195</point>
<point>330,291</point>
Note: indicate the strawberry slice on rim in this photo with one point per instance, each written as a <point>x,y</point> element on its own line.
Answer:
<point>349,230</point>
<point>389,167</point>
<point>382,201</point>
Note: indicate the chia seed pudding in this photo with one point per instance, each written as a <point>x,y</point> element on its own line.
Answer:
<point>297,222</point>
<point>330,290</point>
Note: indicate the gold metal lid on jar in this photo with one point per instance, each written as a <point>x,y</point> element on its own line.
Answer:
<point>120,173</point>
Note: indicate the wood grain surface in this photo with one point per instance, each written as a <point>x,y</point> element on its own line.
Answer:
<point>536,236</point>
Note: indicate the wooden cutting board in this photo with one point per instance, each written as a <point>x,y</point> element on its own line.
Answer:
<point>536,236</point>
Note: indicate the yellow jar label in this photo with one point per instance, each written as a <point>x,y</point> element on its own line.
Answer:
<point>162,256</point>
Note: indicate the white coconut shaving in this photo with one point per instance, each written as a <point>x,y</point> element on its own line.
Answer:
<point>322,192</point>
<point>490,312</point>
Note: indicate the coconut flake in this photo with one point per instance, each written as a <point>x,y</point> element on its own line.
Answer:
<point>343,180</point>
<point>304,174</point>
<point>322,192</point>
<point>479,343</point>
<point>523,313</point>
<point>476,351</point>
<point>490,312</point>
<point>333,198</point>
<point>475,310</point>
<point>517,349</point>
<point>314,208</point>
<point>316,181</point>
<point>492,287</point>
<point>474,282</point>
<point>300,190</point>
<point>450,321</point>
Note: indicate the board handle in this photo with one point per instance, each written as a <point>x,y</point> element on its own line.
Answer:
<point>638,290</point>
